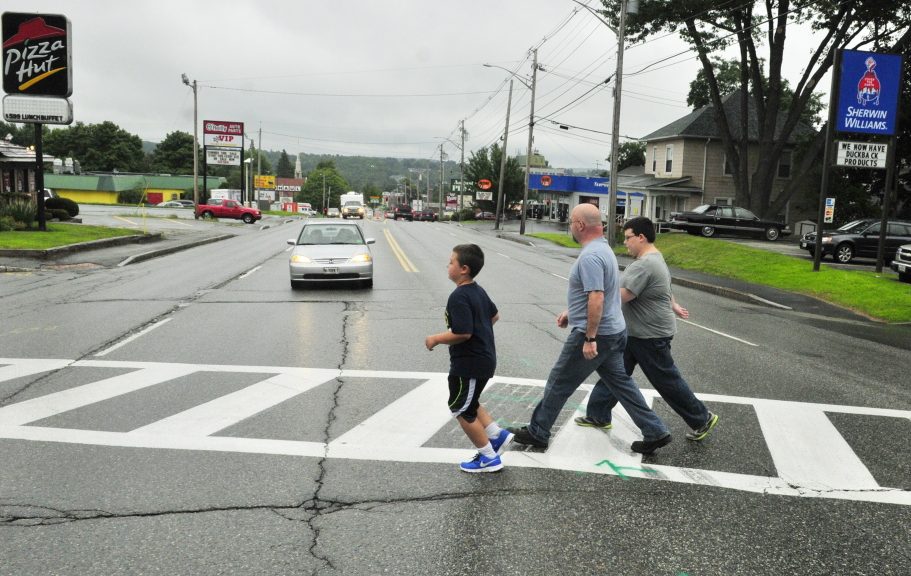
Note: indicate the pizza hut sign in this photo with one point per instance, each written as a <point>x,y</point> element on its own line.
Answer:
<point>37,60</point>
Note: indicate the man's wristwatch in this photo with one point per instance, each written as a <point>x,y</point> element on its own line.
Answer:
<point>587,339</point>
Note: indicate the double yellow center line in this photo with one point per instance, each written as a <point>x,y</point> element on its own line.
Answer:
<point>399,253</point>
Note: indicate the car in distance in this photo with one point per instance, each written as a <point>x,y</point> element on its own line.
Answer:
<point>902,263</point>
<point>330,252</point>
<point>332,213</point>
<point>169,204</point>
<point>859,239</point>
<point>485,216</point>
<point>227,208</point>
<point>403,212</point>
<point>353,209</point>
<point>711,220</point>
<point>425,215</point>
<point>186,203</point>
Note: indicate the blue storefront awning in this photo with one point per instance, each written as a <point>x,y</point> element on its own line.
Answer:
<point>570,184</point>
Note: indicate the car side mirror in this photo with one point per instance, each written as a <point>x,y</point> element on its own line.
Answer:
<point>292,242</point>
<point>371,240</point>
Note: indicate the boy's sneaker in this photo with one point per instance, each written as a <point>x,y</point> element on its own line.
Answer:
<point>700,433</point>
<point>502,441</point>
<point>592,423</point>
<point>649,446</point>
<point>523,436</point>
<point>480,463</point>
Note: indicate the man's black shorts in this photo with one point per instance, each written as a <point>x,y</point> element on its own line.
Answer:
<point>464,396</point>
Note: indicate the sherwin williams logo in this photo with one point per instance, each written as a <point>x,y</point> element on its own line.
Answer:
<point>35,55</point>
<point>869,89</point>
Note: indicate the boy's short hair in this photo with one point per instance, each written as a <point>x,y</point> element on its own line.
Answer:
<point>470,255</point>
<point>641,225</point>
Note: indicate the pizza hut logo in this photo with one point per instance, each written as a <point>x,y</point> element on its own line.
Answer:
<point>869,88</point>
<point>36,55</point>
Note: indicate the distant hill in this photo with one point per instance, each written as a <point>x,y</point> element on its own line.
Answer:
<point>381,172</point>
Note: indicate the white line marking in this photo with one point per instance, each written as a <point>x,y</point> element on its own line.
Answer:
<point>176,221</point>
<point>248,272</point>
<point>560,277</point>
<point>133,337</point>
<point>717,332</point>
<point>504,255</point>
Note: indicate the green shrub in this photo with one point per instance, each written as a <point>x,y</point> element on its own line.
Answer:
<point>130,197</point>
<point>21,211</point>
<point>66,204</point>
<point>7,224</point>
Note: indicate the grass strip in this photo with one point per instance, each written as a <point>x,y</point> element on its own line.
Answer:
<point>58,234</point>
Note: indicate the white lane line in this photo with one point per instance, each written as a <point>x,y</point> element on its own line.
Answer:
<point>248,272</point>
<point>175,221</point>
<point>561,277</point>
<point>719,333</point>
<point>504,255</point>
<point>133,337</point>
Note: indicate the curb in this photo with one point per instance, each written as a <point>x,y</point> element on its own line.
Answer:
<point>81,246</point>
<point>171,249</point>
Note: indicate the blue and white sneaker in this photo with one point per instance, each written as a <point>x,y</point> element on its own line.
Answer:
<point>502,441</point>
<point>481,464</point>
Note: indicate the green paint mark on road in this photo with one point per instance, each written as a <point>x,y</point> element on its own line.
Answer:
<point>617,469</point>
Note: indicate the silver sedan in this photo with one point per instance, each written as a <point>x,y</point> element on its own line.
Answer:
<point>333,251</point>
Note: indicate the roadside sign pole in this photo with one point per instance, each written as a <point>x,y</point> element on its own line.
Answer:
<point>824,185</point>
<point>39,178</point>
<point>887,190</point>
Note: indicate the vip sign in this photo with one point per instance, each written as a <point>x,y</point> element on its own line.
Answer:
<point>37,60</point>
<point>223,134</point>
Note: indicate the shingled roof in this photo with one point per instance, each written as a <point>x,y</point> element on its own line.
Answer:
<point>701,123</point>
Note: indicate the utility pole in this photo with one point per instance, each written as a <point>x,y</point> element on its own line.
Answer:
<point>503,156</point>
<point>615,131</point>
<point>531,127</point>
<point>462,171</point>
<point>324,192</point>
<point>195,139</point>
<point>441,181</point>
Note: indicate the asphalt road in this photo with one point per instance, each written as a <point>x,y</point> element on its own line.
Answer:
<point>192,414</point>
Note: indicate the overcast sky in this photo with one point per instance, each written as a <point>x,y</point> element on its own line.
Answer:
<point>359,77</point>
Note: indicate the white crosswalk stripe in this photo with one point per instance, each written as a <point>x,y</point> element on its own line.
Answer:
<point>811,457</point>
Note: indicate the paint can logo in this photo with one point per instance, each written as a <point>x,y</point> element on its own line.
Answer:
<point>869,88</point>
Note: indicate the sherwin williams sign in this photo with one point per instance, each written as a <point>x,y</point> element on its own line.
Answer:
<point>869,85</point>
<point>37,60</point>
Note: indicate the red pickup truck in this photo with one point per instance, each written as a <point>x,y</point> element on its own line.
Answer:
<point>225,208</point>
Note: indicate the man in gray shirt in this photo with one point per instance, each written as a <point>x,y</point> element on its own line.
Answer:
<point>595,343</point>
<point>649,308</point>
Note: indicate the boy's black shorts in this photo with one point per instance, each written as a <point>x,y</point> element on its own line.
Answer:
<point>464,396</point>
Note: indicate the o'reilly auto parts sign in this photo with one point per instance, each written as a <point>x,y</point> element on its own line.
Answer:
<point>37,59</point>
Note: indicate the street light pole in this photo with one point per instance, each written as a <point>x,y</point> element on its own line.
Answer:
<point>615,130</point>
<point>503,161</point>
<point>531,127</point>
<point>192,85</point>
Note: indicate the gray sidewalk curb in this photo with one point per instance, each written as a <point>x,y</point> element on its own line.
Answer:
<point>81,246</point>
<point>171,249</point>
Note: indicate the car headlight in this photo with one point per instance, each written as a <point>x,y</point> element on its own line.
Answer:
<point>827,240</point>
<point>300,259</point>
<point>361,258</point>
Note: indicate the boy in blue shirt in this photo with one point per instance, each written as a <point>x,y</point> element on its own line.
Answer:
<point>470,316</point>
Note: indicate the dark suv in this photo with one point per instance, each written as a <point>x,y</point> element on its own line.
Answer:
<point>403,211</point>
<point>859,239</point>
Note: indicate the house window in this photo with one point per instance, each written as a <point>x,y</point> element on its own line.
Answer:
<point>784,164</point>
<point>724,201</point>
<point>727,170</point>
<point>654,159</point>
<point>669,158</point>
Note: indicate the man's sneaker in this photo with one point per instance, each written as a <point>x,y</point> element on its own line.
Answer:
<point>502,441</point>
<point>649,446</point>
<point>592,423</point>
<point>480,463</point>
<point>700,433</point>
<point>523,436</point>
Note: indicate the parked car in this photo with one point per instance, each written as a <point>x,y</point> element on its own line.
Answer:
<point>402,212</point>
<point>331,252</point>
<point>227,208</point>
<point>169,204</point>
<point>710,220</point>
<point>425,215</point>
<point>902,263</point>
<point>859,239</point>
<point>485,216</point>
<point>186,203</point>
<point>332,213</point>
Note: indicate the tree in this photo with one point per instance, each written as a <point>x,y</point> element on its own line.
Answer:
<point>284,168</point>
<point>101,147</point>
<point>174,154</point>
<point>710,27</point>
<point>631,154</point>
<point>313,189</point>
<point>484,164</point>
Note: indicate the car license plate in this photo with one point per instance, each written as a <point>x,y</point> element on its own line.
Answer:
<point>803,245</point>
<point>332,270</point>
<point>902,268</point>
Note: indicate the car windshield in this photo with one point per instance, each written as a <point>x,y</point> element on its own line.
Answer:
<point>701,209</point>
<point>354,203</point>
<point>855,226</point>
<point>330,235</point>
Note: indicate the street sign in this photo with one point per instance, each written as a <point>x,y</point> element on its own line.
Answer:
<point>37,109</point>
<point>869,85</point>
<point>484,184</point>
<point>224,134</point>
<point>861,154</point>
<point>37,60</point>
<point>223,156</point>
<point>484,195</point>
<point>829,215</point>
<point>264,182</point>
